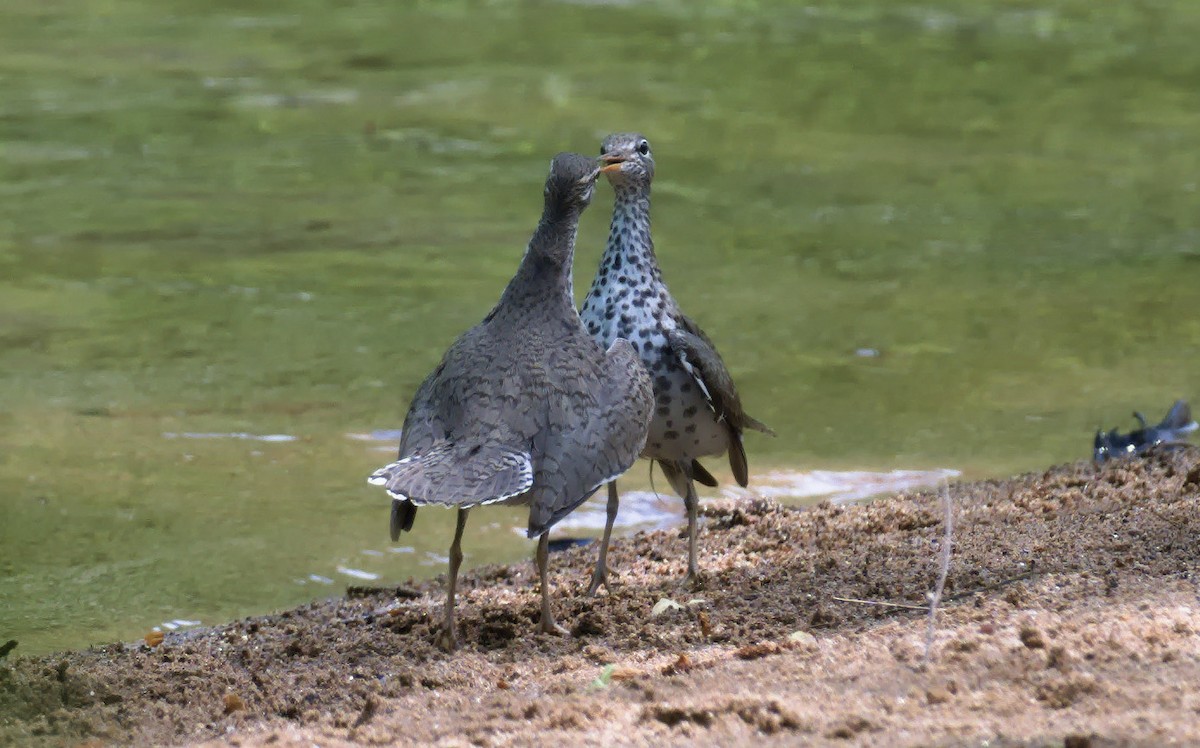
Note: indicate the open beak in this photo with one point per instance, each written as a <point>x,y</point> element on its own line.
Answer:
<point>612,162</point>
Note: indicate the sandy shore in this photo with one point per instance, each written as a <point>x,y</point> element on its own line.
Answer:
<point>1070,616</point>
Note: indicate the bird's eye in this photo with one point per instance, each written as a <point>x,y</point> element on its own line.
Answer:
<point>643,148</point>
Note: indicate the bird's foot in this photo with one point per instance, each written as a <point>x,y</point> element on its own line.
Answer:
<point>694,581</point>
<point>547,625</point>
<point>600,579</point>
<point>446,639</point>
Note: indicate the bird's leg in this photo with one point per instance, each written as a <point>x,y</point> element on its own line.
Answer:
<point>600,575</point>
<point>547,624</point>
<point>447,639</point>
<point>693,580</point>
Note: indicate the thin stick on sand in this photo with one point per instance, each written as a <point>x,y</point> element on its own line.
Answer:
<point>935,597</point>
<point>882,603</point>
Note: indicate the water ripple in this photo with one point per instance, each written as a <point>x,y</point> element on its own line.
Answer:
<point>229,435</point>
<point>645,510</point>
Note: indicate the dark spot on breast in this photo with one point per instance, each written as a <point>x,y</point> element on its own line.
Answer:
<point>685,387</point>
<point>663,411</point>
<point>672,435</point>
<point>690,428</point>
<point>689,411</point>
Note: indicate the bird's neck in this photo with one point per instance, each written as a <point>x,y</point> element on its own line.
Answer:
<point>544,276</point>
<point>629,242</point>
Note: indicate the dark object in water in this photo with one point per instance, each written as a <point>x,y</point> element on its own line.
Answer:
<point>1172,431</point>
<point>7,647</point>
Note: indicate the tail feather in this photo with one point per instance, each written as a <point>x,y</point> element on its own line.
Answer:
<point>737,461</point>
<point>455,474</point>
<point>403,514</point>
<point>675,476</point>
<point>702,476</point>
<point>679,473</point>
<point>757,425</point>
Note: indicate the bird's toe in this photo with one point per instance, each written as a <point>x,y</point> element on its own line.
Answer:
<point>549,626</point>
<point>446,639</point>
<point>601,578</point>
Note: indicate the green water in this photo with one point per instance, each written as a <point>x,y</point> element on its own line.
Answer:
<point>250,217</point>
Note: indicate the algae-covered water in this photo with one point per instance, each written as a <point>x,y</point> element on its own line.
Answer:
<point>947,234</point>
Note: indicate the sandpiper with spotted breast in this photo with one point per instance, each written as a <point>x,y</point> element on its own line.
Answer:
<point>698,412</point>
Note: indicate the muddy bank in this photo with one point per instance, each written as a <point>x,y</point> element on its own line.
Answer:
<point>1069,615</point>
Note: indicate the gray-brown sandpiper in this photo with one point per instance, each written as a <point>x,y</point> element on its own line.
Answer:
<point>525,407</point>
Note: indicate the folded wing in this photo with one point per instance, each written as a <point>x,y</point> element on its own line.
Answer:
<point>590,451</point>
<point>700,359</point>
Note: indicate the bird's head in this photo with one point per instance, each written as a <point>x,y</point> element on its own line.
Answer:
<point>627,160</point>
<point>571,182</point>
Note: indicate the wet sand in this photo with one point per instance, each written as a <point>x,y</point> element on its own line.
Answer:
<point>1069,616</point>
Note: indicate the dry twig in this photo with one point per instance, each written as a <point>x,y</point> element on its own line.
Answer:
<point>883,603</point>
<point>935,597</point>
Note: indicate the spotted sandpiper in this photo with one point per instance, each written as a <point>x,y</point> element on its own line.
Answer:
<point>697,409</point>
<point>525,407</point>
